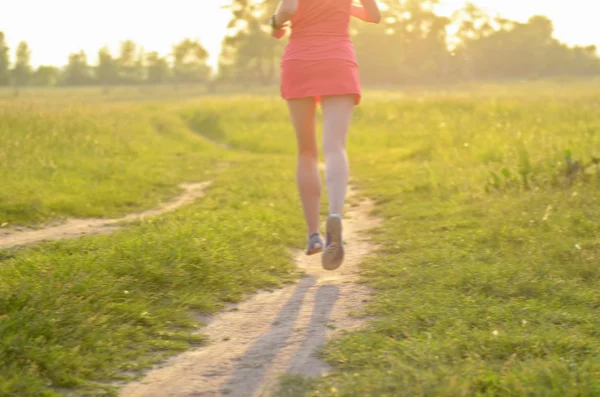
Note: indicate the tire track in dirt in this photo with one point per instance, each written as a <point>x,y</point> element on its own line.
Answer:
<point>272,333</point>
<point>73,228</point>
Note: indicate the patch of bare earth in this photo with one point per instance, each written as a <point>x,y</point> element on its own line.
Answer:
<point>273,333</point>
<point>80,227</point>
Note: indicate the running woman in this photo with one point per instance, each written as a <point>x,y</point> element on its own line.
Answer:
<point>319,66</point>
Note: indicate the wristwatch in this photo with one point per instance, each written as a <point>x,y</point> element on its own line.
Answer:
<point>273,22</point>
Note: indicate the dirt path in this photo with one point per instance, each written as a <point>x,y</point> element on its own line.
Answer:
<point>78,227</point>
<point>273,333</point>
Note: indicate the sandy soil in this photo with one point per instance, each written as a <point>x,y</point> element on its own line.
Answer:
<point>79,227</point>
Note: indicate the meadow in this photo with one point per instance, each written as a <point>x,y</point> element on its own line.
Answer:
<point>486,282</point>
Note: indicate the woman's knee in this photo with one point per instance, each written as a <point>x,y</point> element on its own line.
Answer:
<point>308,151</point>
<point>333,148</point>
<point>334,141</point>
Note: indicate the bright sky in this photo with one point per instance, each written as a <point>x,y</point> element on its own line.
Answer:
<point>58,27</point>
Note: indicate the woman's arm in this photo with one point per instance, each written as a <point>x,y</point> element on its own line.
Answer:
<point>368,12</point>
<point>280,19</point>
<point>286,11</point>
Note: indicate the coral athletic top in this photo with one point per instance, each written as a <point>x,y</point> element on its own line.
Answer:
<point>320,30</point>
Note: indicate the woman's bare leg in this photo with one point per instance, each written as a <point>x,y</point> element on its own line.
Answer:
<point>303,115</point>
<point>337,116</point>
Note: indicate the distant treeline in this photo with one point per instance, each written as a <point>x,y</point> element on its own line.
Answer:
<point>412,45</point>
<point>187,63</point>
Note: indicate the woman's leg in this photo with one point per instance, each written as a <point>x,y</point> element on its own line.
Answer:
<point>337,116</point>
<point>303,115</point>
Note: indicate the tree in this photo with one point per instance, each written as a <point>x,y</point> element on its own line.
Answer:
<point>412,46</point>
<point>157,68</point>
<point>499,48</point>
<point>45,76</point>
<point>22,70</point>
<point>249,54</point>
<point>107,71</point>
<point>78,72</point>
<point>4,61</point>
<point>409,46</point>
<point>474,25</point>
<point>130,63</point>
<point>377,52</point>
<point>190,62</point>
<point>584,60</point>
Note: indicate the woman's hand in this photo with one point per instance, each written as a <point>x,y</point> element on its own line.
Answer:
<point>279,33</point>
<point>368,11</point>
<point>284,13</point>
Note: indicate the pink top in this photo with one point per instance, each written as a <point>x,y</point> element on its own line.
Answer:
<point>320,30</point>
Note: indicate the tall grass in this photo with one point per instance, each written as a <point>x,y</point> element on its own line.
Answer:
<point>90,161</point>
<point>77,315</point>
<point>486,281</point>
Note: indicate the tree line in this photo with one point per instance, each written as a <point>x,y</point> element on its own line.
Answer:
<point>413,44</point>
<point>187,63</point>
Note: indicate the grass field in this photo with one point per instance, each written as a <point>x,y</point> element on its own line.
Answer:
<point>486,283</point>
<point>86,161</point>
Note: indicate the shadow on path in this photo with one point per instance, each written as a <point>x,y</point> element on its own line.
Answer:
<point>248,375</point>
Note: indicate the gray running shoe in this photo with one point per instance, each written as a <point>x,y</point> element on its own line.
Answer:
<point>315,244</point>
<point>333,255</point>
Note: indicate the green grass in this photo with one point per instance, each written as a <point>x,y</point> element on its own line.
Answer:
<point>79,315</point>
<point>91,161</point>
<point>76,314</point>
<point>486,281</point>
<point>293,386</point>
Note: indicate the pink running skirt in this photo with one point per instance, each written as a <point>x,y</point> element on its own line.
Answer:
<point>315,79</point>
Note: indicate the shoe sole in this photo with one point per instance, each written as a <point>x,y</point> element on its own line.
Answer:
<point>333,255</point>
<point>314,251</point>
